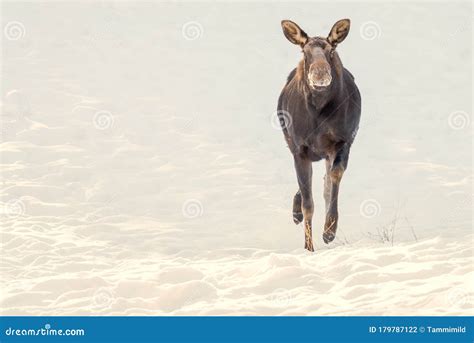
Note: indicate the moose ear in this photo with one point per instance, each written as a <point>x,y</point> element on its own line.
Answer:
<point>294,33</point>
<point>339,32</point>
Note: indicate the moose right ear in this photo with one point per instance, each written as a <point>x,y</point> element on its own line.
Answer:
<point>294,33</point>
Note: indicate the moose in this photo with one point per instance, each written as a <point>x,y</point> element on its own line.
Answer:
<point>319,111</point>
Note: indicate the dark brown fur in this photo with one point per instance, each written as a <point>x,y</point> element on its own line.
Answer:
<point>322,123</point>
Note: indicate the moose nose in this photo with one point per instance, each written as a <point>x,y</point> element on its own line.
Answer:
<point>319,75</point>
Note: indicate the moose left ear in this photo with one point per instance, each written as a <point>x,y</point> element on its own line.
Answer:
<point>339,32</point>
<point>294,33</point>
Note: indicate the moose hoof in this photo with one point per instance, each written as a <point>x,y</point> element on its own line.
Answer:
<point>330,229</point>
<point>297,217</point>
<point>328,237</point>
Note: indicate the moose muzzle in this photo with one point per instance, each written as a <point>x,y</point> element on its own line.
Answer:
<point>319,75</point>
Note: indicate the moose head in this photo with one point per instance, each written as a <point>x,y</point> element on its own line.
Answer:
<point>321,62</point>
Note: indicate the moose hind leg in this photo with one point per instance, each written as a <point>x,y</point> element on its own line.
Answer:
<point>335,170</point>
<point>327,185</point>
<point>297,212</point>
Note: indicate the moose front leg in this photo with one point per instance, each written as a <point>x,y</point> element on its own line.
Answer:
<point>297,213</point>
<point>304,172</point>
<point>336,164</point>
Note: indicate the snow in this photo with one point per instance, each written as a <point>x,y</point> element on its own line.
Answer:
<point>142,172</point>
